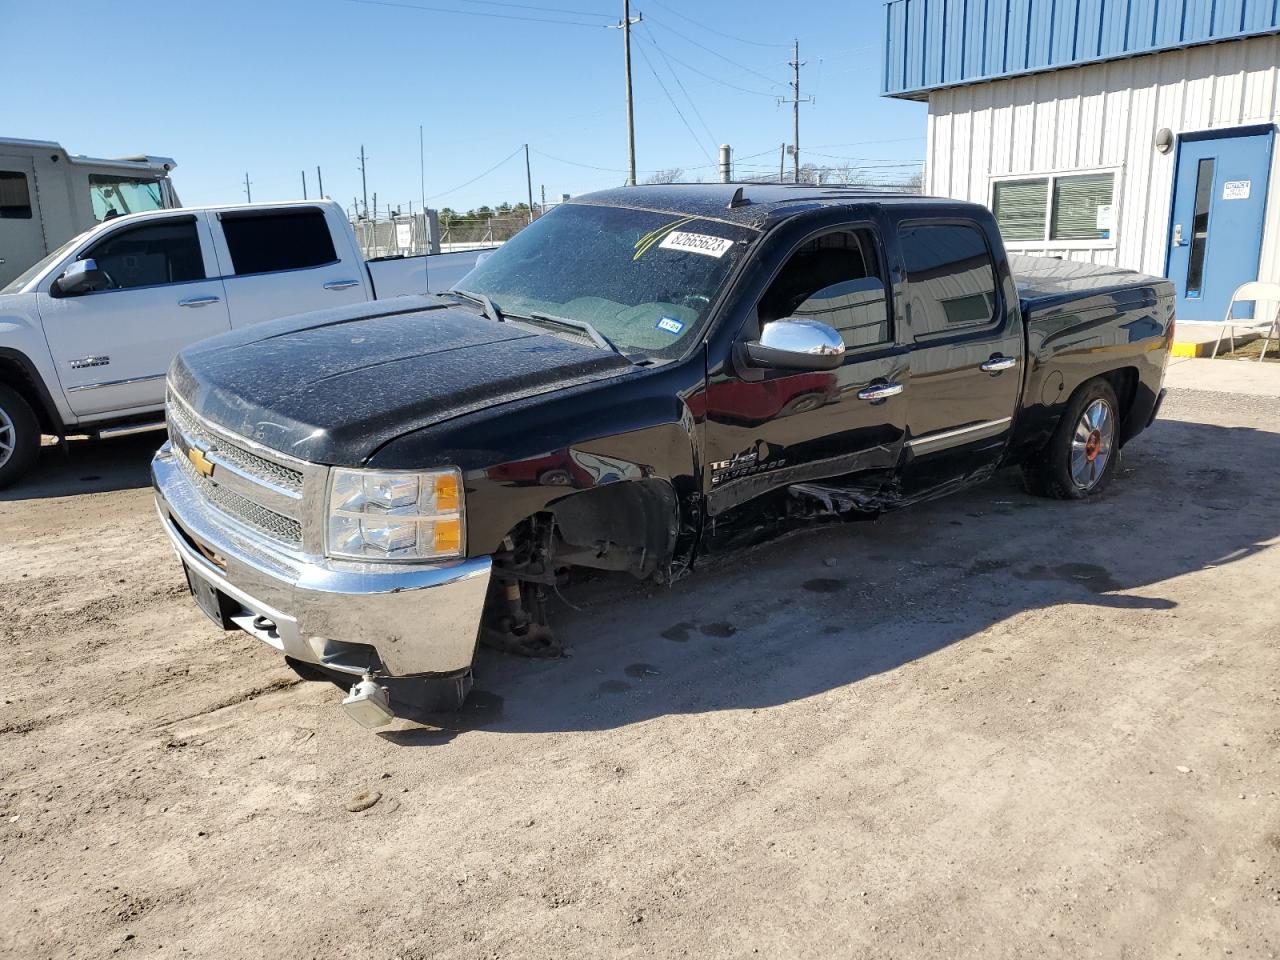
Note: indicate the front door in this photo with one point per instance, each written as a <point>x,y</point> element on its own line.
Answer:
<point>768,429</point>
<point>113,346</point>
<point>22,240</point>
<point>1220,198</point>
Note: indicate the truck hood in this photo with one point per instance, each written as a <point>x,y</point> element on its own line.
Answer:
<point>19,303</point>
<point>333,387</point>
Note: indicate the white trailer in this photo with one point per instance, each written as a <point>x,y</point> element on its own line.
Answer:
<point>48,196</point>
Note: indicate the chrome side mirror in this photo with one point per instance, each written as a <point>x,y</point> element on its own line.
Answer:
<point>796,344</point>
<point>81,277</point>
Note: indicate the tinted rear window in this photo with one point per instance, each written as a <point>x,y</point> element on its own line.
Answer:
<point>952,277</point>
<point>280,240</point>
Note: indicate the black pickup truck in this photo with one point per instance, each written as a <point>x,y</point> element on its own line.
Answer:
<point>642,377</point>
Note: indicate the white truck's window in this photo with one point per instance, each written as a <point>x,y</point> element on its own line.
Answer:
<point>115,196</point>
<point>15,196</point>
<point>150,255</point>
<point>951,276</point>
<point>834,278</point>
<point>277,240</point>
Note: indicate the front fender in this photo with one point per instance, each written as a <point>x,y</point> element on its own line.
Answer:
<point>535,456</point>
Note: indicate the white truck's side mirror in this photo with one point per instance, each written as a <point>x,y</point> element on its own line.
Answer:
<point>83,276</point>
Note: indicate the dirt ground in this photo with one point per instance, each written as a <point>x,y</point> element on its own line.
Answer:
<point>992,726</point>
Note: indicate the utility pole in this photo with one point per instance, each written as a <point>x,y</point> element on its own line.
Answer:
<point>247,193</point>
<point>782,163</point>
<point>422,173</point>
<point>304,184</point>
<point>625,26</point>
<point>364,185</point>
<point>795,102</point>
<point>528,181</point>
<point>726,163</point>
<point>319,182</point>
<point>542,208</point>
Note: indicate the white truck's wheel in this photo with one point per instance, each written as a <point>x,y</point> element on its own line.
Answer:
<point>19,436</point>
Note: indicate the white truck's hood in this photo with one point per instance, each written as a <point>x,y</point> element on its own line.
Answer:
<point>16,305</point>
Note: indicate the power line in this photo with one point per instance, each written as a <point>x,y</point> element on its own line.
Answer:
<point>648,63</point>
<point>701,46</point>
<point>727,36</point>
<point>703,73</point>
<point>680,83</point>
<point>523,6</point>
<point>478,177</point>
<point>472,13</point>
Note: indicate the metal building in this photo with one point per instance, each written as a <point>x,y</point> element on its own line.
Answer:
<point>1130,132</point>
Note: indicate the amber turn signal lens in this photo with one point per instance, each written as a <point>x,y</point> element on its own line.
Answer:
<point>448,535</point>
<point>448,494</point>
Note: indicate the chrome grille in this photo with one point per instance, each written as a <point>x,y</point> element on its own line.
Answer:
<point>274,525</point>
<point>259,467</point>
<point>247,485</point>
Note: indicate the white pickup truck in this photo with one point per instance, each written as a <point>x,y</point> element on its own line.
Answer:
<point>87,334</point>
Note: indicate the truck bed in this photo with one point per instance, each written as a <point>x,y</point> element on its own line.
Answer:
<point>402,276</point>
<point>1046,283</point>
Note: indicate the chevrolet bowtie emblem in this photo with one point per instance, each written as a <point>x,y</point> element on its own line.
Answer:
<point>202,463</point>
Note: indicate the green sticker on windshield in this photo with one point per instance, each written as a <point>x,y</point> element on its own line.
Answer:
<point>654,236</point>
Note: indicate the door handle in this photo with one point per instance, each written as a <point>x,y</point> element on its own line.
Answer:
<point>341,284</point>
<point>198,301</point>
<point>1177,236</point>
<point>880,391</point>
<point>996,364</point>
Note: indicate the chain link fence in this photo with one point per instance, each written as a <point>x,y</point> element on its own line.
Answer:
<point>412,235</point>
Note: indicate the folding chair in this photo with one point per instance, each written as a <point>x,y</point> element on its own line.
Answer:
<point>1255,291</point>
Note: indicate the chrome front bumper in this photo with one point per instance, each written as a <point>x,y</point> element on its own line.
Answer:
<point>399,619</point>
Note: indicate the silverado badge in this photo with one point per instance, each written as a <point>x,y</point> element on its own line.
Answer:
<point>198,460</point>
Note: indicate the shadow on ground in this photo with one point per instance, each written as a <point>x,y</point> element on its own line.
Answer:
<point>80,465</point>
<point>829,607</point>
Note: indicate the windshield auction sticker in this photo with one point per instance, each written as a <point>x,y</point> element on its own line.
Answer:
<point>702,243</point>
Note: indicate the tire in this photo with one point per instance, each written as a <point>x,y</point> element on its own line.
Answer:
<point>19,436</point>
<point>1082,455</point>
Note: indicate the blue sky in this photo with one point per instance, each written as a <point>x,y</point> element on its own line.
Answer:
<point>273,87</point>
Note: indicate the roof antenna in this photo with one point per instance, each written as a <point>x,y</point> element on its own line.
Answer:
<point>738,200</point>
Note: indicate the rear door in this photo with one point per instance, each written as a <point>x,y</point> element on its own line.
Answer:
<point>281,261</point>
<point>22,240</point>
<point>767,429</point>
<point>113,347</point>
<point>965,333</point>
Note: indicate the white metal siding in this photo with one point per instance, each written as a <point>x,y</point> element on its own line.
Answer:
<point>1107,115</point>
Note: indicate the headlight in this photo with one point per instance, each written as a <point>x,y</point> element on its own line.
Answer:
<point>395,515</point>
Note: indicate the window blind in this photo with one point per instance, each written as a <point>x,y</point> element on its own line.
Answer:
<point>1075,206</point>
<point>1020,208</point>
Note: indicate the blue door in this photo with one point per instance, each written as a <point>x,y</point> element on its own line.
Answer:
<point>1215,235</point>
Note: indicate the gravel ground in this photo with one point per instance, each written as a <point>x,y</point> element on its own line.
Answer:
<point>991,726</point>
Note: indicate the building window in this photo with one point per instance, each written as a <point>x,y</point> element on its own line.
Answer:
<point>1061,207</point>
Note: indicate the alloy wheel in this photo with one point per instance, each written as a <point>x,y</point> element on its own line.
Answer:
<point>1091,445</point>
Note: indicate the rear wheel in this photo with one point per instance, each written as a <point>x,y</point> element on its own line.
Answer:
<point>1083,453</point>
<point>19,436</point>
